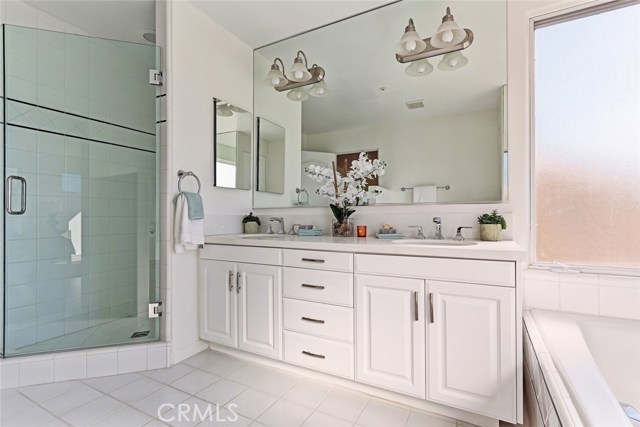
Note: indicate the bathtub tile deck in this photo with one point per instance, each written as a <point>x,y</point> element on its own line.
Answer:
<point>269,397</point>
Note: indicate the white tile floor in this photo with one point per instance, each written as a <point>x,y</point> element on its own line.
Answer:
<point>238,394</point>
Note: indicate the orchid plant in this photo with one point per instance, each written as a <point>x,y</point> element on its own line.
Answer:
<point>349,190</point>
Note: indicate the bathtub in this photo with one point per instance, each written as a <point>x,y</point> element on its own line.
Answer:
<point>580,370</point>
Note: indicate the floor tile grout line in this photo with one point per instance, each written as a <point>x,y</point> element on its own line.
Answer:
<point>56,417</point>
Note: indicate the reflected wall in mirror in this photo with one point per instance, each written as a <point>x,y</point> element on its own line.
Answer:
<point>270,157</point>
<point>444,128</point>
<point>232,146</point>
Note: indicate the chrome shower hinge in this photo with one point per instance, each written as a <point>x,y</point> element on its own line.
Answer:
<point>155,309</point>
<point>155,77</point>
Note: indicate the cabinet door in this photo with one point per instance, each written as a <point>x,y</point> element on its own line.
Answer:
<point>472,359</point>
<point>218,302</point>
<point>259,308</point>
<point>390,333</point>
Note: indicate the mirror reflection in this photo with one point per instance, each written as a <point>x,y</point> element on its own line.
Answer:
<point>232,147</point>
<point>437,121</point>
<point>270,163</point>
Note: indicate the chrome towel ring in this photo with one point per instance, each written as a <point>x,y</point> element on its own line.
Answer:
<point>183,174</point>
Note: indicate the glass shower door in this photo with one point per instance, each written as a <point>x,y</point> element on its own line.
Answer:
<point>81,194</point>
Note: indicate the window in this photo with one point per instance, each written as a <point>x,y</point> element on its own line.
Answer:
<point>586,157</point>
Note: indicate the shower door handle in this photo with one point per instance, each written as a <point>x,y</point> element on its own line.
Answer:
<point>8,190</point>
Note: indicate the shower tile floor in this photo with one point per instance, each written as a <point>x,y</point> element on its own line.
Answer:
<point>111,333</point>
<point>236,393</point>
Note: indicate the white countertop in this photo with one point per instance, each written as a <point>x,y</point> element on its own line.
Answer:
<point>504,250</point>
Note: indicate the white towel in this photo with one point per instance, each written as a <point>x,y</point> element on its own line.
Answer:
<point>187,234</point>
<point>424,193</point>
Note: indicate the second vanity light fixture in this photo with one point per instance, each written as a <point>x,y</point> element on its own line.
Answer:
<point>448,41</point>
<point>298,76</point>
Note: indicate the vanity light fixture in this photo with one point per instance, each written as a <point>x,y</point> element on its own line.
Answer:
<point>224,109</point>
<point>452,61</point>
<point>298,76</point>
<point>319,89</point>
<point>448,39</point>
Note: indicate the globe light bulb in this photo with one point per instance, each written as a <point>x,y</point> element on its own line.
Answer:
<point>298,74</point>
<point>447,36</point>
<point>421,68</point>
<point>275,81</point>
<point>452,62</point>
<point>410,45</point>
<point>320,91</point>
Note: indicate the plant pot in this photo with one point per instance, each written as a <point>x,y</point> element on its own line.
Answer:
<point>491,232</point>
<point>342,229</point>
<point>251,227</point>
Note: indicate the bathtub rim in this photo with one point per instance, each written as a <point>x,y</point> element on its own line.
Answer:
<point>561,399</point>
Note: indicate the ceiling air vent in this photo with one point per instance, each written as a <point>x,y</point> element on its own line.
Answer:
<point>412,105</point>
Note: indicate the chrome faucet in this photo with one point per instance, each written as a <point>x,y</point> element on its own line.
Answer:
<point>459,237</point>
<point>438,235</point>
<point>420,234</point>
<point>281,221</point>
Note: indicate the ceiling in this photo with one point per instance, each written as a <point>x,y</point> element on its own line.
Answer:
<point>117,20</point>
<point>258,23</point>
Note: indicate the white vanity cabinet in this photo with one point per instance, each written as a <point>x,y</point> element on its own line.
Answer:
<point>469,338</point>
<point>390,328</point>
<point>318,311</point>
<point>442,329</point>
<point>241,302</point>
<point>472,347</point>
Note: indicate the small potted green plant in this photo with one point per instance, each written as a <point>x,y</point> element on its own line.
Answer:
<point>251,223</point>
<point>491,226</point>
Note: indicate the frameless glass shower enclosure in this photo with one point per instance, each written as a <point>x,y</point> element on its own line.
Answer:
<point>81,157</point>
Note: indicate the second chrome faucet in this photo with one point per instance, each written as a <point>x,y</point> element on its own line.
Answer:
<point>438,235</point>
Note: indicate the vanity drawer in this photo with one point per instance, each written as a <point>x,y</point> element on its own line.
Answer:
<point>319,353</point>
<point>321,286</point>
<point>497,273</point>
<point>318,260</point>
<point>248,254</point>
<point>324,320</point>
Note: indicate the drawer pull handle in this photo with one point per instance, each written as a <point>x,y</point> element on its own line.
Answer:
<point>415,306</point>
<point>317,261</point>
<point>431,313</point>
<point>309,319</point>
<point>319,356</point>
<point>306,285</point>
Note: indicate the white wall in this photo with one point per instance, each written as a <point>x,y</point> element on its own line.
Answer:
<point>463,151</point>
<point>204,61</point>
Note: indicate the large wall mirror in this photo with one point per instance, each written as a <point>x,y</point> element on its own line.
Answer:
<point>270,156</point>
<point>440,128</point>
<point>232,146</point>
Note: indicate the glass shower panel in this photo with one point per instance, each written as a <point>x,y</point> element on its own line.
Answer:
<point>81,150</point>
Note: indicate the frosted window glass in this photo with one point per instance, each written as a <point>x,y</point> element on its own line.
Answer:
<point>587,140</point>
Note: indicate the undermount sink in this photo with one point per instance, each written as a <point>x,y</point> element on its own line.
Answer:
<point>431,242</point>
<point>267,237</point>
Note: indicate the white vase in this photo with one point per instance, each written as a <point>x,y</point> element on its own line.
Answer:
<point>491,232</point>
